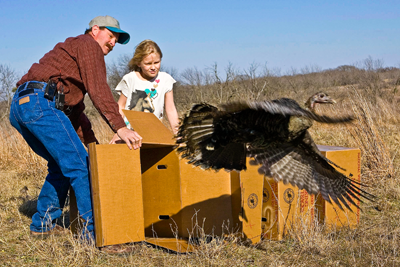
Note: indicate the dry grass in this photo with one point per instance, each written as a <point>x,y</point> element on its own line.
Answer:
<point>375,242</point>
<point>376,155</point>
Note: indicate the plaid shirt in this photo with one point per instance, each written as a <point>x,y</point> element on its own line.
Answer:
<point>80,63</point>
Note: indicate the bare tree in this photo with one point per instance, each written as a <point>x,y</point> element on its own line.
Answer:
<point>171,71</point>
<point>117,70</point>
<point>371,64</point>
<point>193,76</point>
<point>8,78</point>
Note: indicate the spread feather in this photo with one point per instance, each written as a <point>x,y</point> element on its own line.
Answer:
<point>274,133</point>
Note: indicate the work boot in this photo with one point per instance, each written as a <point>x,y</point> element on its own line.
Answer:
<point>57,230</point>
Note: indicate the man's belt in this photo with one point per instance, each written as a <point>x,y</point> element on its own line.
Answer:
<point>29,87</point>
<point>50,92</point>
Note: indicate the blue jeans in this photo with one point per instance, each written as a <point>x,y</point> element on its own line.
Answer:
<point>49,133</point>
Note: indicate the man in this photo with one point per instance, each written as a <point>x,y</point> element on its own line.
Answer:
<point>53,89</point>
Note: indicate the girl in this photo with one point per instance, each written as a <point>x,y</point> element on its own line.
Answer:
<point>145,88</point>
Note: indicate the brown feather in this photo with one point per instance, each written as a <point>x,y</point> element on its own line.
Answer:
<point>275,134</point>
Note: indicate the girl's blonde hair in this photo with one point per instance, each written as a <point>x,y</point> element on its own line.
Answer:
<point>142,50</point>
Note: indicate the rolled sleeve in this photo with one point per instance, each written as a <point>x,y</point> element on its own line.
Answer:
<point>122,87</point>
<point>169,83</point>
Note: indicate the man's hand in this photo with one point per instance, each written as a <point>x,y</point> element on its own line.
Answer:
<point>131,138</point>
<point>116,139</point>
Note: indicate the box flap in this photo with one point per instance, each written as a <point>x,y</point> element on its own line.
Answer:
<point>174,244</point>
<point>206,201</point>
<point>251,183</point>
<point>161,190</point>
<point>323,148</point>
<point>150,128</point>
<point>116,194</point>
<point>331,214</point>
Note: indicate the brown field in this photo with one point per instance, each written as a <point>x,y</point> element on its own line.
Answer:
<point>371,94</point>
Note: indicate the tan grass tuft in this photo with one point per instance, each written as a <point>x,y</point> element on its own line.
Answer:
<point>374,152</point>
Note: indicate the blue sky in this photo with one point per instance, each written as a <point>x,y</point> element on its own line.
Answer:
<point>282,34</point>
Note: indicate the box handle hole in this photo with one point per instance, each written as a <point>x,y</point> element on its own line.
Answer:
<point>163,217</point>
<point>263,219</point>
<point>161,167</point>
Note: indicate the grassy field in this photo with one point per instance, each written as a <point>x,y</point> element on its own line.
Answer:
<point>370,95</point>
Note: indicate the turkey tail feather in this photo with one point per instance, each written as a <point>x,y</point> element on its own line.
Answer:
<point>195,136</point>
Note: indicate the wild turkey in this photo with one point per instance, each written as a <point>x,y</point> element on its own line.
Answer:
<point>274,133</point>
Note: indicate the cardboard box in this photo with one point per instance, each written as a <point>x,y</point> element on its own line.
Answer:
<point>152,192</point>
<point>162,199</point>
<point>209,199</point>
<point>284,206</point>
<point>116,175</point>
<point>174,244</point>
<point>178,198</point>
<point>251,184</point>
<point>332,215</point>
<point>182,201</point>
<point>269,208</point>
<point>116,194</point>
